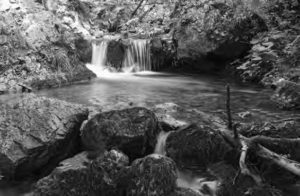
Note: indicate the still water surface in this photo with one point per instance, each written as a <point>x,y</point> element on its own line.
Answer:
<point>204,93</point>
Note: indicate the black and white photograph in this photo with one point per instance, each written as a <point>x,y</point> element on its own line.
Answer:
<point>149,97</point>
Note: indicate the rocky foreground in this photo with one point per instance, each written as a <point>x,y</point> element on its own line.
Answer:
<point>61,148</point>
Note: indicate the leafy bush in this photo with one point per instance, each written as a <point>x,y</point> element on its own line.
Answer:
<point>274,54</point>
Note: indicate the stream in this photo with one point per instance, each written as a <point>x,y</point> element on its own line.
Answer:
<point>149,89</point>
<point>191,92</point>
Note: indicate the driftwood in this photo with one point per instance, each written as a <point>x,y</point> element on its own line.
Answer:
<point>261,146</point>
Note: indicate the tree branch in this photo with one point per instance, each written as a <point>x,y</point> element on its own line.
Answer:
<point>136,9</point>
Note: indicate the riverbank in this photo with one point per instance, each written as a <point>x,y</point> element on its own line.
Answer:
<point>86,151</point>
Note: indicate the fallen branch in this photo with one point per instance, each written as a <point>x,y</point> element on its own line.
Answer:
<point>259,145</point>
<point>263,152</point>
<point>243,165</point>
<point>290,165</point>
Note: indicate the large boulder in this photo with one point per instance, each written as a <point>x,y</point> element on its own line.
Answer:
<point>37,133</point>
<point>133,131</point>
<point>80,176</point>
<point>154,175</point>
<point>196,147</point>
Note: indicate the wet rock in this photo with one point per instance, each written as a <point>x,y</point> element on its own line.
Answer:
<point>196,147</point>
<point>57,80</point>
<point>165,112</point>
<point>37,133</point>
<point>115,54</point>
<point>287,94</point>
<point>80,176</point>
<point>84,48</point>
<point>154,175</point>
<point>162,53</point>
<point>131,130</point>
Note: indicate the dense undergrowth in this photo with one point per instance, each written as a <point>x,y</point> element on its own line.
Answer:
<point>274,53</point>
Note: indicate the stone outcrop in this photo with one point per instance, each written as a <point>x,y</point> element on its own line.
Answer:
<point>196,147</point>
<point>37,133</point>
<point>81,176</point>
<point>154,175</point>
<point>133,131</point>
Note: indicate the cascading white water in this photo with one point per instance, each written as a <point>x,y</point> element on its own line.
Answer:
<point>160,147</point>
<point>186,179</point>
<point>138,56</point>
<point>99,58</point>
<point>99,53</point>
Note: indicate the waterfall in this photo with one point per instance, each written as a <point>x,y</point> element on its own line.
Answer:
<point>137,56</point>
<point>99,54</point>
<point>160,147</point>
<point>98,64</point>
<point>186,179</point>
